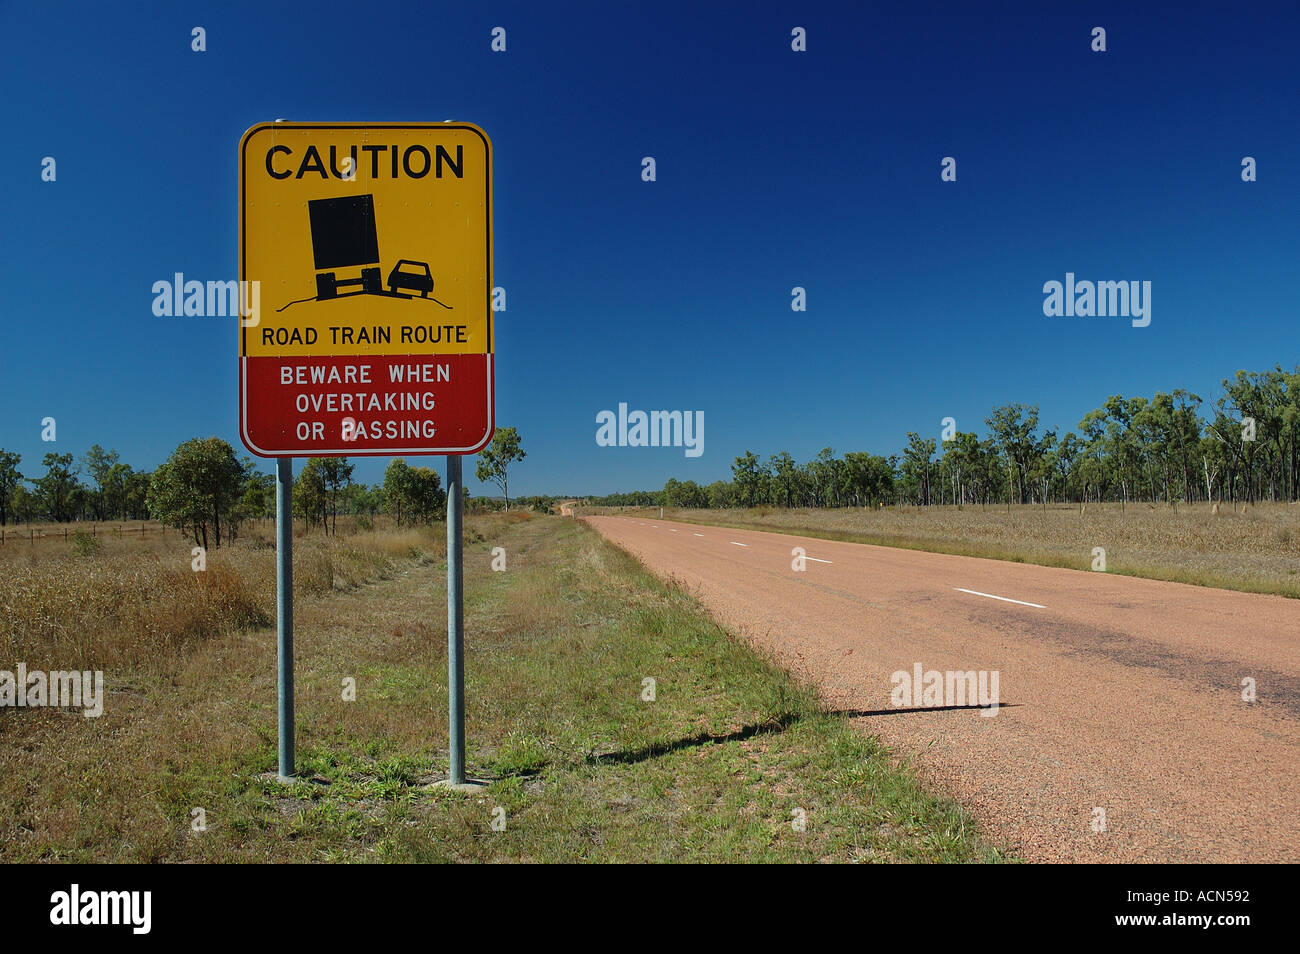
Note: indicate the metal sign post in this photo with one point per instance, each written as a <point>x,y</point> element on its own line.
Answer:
<point>284,608</point>
<point>455,625</point>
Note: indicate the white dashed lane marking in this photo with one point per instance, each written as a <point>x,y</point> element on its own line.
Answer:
<point>1005,599</point>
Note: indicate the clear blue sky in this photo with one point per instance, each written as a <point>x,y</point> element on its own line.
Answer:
<point>775,169</point>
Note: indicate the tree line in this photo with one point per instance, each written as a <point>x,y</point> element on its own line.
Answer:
<point>206,491</point>
<point>114,492</point>
<point>1244,447</point>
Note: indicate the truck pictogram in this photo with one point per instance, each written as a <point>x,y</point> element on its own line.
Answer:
<point>344,235</point>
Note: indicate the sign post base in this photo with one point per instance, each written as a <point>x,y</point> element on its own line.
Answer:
<point>467,787</point>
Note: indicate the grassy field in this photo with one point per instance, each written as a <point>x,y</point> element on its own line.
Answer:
<point>1255,548</point>
<point>729,754</point>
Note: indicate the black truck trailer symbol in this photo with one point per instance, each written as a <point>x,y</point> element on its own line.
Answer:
<point>344,235</point>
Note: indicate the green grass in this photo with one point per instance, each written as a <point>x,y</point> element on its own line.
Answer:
<point>580,767</point>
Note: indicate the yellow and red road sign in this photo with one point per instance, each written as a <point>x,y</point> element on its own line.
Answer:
<point>371,248</point>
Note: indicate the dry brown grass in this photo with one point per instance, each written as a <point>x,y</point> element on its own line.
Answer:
<point>121,601</point>
<point>1256,548</point>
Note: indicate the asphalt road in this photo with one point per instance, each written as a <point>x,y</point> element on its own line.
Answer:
<point>1115,694</point>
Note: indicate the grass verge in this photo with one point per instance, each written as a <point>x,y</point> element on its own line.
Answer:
<point>720,767</point>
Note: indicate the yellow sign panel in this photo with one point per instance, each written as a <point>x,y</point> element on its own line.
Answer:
<point>366,241</point>
<point>429,195</point>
